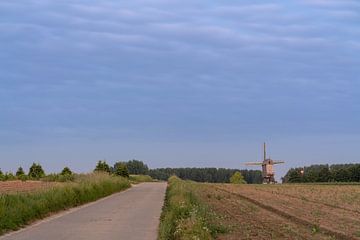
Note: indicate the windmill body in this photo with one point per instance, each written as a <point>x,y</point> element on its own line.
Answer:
<point>267,164</point>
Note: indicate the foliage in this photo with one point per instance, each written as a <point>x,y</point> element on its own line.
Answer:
<point>121,170</point>
<point>102,166</point>
<point>184,216</point>
<point>66,171</point>
<point>36,171</point>
<point>137,167</point>
<point>23,208</point>
<point>324,173</point>
<point>237,178</point>
<point>140,178</point>
<point>20,172</point>
<point>58,178</point>
<point>212,175</point>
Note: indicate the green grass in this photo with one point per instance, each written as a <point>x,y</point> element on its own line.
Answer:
<point>184,216</point>
<point>140,178</point>
<point>17,210</point>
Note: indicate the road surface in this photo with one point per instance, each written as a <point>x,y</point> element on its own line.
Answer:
<point>129,215</point>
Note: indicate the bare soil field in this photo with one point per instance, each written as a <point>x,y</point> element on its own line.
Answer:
<point>21,186</point>
<point>286,211</point>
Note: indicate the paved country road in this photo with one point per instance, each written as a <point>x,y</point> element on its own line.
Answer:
<point>129,215</point>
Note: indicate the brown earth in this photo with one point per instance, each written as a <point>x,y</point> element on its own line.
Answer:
<point>26,186</point>
<point>286,211</point>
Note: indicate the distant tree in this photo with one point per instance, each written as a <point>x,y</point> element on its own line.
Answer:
<point>1,175</point>
<point>121,170</point>
<point>102,166</point>
<point>66,171</point>
<point>137,167</point>
<point>213,175</point>
<point>237,178</point>
<point>36,171</point>
<point>294,176</point>
<point>20,172</point>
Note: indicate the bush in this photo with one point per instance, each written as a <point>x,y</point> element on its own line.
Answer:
<point>58,178</point>
<point>102,166</point>
<point>36,171</point>
<point>237,178</point>
<point>66,171</point>
<point>121,170</point>
<point>20,172</point>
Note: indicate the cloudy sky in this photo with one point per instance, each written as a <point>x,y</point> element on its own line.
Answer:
<point>178,82</point>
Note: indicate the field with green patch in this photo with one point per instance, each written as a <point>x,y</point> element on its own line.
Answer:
<point>225,211</point>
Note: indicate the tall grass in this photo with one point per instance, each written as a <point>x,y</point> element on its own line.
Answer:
<point>17,210</point>
<point>140,178</point>
<point>184,216</point>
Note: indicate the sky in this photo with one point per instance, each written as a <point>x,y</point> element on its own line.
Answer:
<point>178,83</point>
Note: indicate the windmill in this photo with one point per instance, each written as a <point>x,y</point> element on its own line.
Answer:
<point>267,167</point>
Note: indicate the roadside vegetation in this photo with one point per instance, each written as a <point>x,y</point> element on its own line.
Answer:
<point>17,210</point>
<point>140,178</point>
<point>185,216</point>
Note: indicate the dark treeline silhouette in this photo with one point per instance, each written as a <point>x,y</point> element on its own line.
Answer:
<point>324,173</point>
<point>212,175</point>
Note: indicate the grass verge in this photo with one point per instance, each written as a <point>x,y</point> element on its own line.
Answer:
<point>17,210</point>
<point>185,216</point>
<point>140,178</point>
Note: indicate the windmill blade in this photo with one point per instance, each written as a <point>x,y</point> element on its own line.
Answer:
<point>278,162</point>
<point>253,163</point>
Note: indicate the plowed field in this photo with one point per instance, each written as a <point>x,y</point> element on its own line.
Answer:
<point>286,211</point>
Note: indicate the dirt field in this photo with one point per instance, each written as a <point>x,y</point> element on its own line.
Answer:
<point>20,186</point>
<point>286,211</point>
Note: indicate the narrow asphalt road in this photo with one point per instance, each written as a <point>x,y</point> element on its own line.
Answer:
<point>129,215</point>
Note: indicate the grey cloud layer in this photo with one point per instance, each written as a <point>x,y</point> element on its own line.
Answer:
<point>179,64</point>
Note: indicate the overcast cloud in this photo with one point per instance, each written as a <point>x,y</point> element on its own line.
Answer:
<point>166,81</point>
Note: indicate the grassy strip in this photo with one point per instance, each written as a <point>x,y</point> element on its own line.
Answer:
<point>17,210</point>
<point>140,178</point>
<point>185,216</point>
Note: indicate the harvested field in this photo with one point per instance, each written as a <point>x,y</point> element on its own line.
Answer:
<point>286,211</point>
<point>27,186</point>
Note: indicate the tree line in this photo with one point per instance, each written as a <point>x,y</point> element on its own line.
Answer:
<point>211,175</point>
<point>324,173</point>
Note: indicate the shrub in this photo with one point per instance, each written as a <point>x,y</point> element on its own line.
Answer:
<point>237,178</point>
<point>121,170</point>
<point>20,172</point>
<point>9,176</point>
<point>66,171</point>
<point>102,166</point>
<point>36,171</point>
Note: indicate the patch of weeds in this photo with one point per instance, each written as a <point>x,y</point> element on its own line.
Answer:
<point>315,229</point>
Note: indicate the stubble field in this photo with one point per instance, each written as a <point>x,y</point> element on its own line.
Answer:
<point>285,211</point>
<point>9,187</point>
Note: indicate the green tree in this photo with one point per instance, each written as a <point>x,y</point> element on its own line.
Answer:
<point>1,176</point>
<point>36,171</point>
<point>237,178</point>
<point>20,172</point>
<point>121,170</point>
<point>102,166</point>
<point>137,167</point>
<point>66,171</point>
